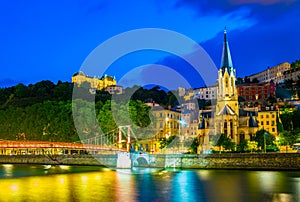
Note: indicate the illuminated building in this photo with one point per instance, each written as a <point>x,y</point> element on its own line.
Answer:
<point>95,83</point>
<point>227,117</point>
<point>267,121</point>
<point>167,122</point>
<point>256,92</point>
<point>274,73</point>
<point>114,89</point>
<point>205,93</point>
<point>292,74</point>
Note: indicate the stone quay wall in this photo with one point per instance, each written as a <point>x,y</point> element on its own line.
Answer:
<point>88,160</point>
<point>254,161</point>
<point>259,161</point>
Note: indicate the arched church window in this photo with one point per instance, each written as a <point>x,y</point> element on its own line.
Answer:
<point>231,129</point>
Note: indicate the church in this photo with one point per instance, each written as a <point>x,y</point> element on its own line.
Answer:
<point>227,117</point>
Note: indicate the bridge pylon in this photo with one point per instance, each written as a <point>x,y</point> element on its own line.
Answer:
<point>120,141</point>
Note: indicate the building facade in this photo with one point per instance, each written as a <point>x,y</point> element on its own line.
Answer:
<point>114,90</point>
<point>206,93</point>
<point>274,73</point>
<point>95,83</point>
<point>256,92</point>
<point>292,74</point>
<point>227,117</point>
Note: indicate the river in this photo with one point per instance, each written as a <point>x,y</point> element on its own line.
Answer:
<point>75,183</point>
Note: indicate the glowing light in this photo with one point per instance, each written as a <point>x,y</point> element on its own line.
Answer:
<point>84,178</point>
<point>7,165</point>
<point>14,187</point>
<point>64,167</point>
<point>61,180</point>
<point>204,174</point>
<point>267,180</point>
<point>47,166</point>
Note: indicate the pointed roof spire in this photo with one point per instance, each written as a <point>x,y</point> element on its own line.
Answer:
<point>226,62</point>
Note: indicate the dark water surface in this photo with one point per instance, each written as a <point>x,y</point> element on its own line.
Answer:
<point>75,183</point>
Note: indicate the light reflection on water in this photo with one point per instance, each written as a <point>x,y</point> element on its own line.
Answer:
<point>66,183</point>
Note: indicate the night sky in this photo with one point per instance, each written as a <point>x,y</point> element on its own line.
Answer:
<point>50,40</point>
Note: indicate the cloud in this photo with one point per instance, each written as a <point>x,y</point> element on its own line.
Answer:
<point>263,10</point>
<point>262,2</point>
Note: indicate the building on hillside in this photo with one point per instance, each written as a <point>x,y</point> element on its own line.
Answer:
<point>80,78</point>
<point>114,90</point>
<point>266,119</point>
<point>206,93</point>
<point>167,122</point>
<point>189,120</point>
<point>274,73</point>
<point>189,94</point>
<point>256,92</point>
<point>292,74</point>
<point>227,117</point>
<point>170,123</point>
<point>151,103</point>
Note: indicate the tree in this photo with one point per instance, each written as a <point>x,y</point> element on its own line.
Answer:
<point>194,146</point>
<point>239,81</point>
<point>288,83</point>
<point>255,80</point>
<point>289,137</point>
<point>164,142</point>
<point>243,146</point>
<point>262,137</point>
<point>252,146</point>
<point>225,142</point>
<point>286,119</point>
<point>295,64</point>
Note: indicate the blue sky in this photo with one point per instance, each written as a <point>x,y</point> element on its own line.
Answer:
<point>49,40</point>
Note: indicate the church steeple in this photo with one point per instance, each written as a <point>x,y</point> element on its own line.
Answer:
<point>226,63</point>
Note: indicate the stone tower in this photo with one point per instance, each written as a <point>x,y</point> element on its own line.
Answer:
<point>226,118</point>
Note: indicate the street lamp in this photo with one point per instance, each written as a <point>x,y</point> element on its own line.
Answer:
<point>265,146</point>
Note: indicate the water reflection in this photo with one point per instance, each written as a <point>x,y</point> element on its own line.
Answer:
<point>164,185</point>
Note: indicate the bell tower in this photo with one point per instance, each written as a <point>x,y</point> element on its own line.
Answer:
<point>227,109</point>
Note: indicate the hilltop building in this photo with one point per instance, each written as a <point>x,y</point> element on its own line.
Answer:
<point>292,74</point>
<point>97,83</point>
<point>274,73</point>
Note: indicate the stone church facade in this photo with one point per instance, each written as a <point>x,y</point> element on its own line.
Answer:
<point>226,117</point>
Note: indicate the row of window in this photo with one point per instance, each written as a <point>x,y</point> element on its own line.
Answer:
<point>268,123</point>
<point>267,116</point>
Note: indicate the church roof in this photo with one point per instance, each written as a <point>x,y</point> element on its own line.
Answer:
<point>243,112</point>
<point>226,111</point>
<point>252,122</point>
<point>226,62</point>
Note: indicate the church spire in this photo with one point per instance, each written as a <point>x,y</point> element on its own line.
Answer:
<point>226,62</point>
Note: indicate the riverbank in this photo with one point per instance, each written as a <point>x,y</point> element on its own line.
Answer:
<point>255,161</point>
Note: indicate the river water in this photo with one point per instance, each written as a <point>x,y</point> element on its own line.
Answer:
<point>75,183</point>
